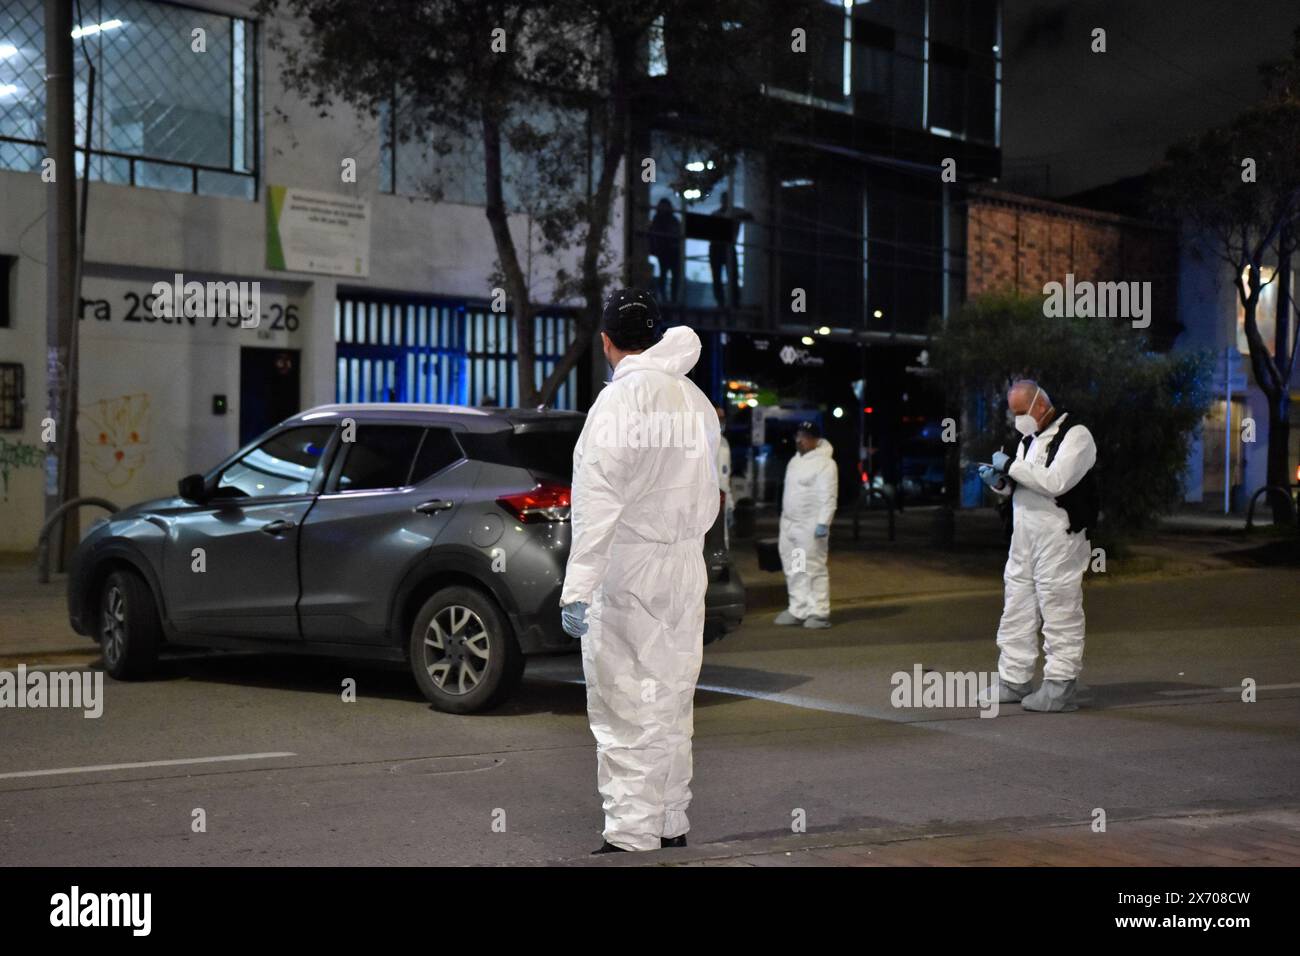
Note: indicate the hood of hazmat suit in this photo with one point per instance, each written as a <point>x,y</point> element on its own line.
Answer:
<point>645,492</point>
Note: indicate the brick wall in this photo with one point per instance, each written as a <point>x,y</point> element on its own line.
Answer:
<point>1018,243</point>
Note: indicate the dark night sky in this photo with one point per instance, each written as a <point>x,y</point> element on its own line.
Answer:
<point>1172,68</point>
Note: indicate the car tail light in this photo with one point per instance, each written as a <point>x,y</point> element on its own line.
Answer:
<point>545,502</point>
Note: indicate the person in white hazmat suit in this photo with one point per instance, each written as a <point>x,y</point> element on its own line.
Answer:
<point>724,476</point>
<point>1053,505</point>
<point>645,491</point>
<point>807,507</point>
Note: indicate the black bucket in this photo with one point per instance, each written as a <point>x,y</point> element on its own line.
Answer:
<point>769,556</point>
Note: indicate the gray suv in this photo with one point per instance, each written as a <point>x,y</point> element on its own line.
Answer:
<point>432,535</point>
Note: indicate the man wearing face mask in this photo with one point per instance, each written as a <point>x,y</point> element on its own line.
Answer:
<point>1054,503</point>
<point>645,491</point>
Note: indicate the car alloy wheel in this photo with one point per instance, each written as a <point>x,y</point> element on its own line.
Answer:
<point>456,651</point>
<point>113,625</point>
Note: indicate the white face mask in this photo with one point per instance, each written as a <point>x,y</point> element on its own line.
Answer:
<point>1026,424</point>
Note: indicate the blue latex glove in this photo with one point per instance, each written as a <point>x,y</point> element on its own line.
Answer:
<point>574,618</point>
<point>1001,462</point>
<point>989,476</point>
<point>821,531</point>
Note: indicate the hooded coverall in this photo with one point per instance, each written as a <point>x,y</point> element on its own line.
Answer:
<point>1045,563</point>
<point>811,487</point>
<point>724,485</point>
<point>645,491</point>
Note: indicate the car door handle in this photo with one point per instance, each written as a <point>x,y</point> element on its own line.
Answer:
<point>431,507</point>
<point>277,527</point>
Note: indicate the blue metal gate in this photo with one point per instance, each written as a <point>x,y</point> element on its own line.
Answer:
<point>444,351</point>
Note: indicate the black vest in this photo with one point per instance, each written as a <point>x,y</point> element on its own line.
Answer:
<point>1082,503</point>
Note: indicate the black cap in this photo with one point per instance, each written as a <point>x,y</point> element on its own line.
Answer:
<point>631,319</point>
<point>810,428</point>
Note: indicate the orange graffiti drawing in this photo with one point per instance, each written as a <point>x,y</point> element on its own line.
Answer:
<point>115,436</point>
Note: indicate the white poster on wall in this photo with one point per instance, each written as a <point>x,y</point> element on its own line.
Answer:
<point>317,232</point>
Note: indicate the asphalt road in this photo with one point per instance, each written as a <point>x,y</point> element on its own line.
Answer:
<point>788,723</point>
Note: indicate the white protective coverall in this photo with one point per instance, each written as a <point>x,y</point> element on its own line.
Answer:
<point>724,485</point>
<point>1045,563</point>
<point>811,487</point>
<point>642,501</point>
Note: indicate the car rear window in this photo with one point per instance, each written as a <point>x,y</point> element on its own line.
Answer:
<point>437,452</point>
<point>546,452</point>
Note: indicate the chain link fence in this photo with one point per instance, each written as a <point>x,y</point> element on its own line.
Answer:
<point>175,97</point>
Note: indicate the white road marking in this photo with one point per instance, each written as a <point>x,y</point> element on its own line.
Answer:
<point>101,768</point>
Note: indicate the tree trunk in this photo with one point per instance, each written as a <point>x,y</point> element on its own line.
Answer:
<point>1279,409</point>
<point>1279,449</point>
<point>518,299</point>
<point>1274,387</point>
<point>598,214</point>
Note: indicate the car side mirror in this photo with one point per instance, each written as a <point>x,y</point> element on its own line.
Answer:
<point>193,488</point>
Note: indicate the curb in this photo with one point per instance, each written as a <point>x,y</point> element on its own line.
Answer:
<point>884,836</point>
<point>9,659</point>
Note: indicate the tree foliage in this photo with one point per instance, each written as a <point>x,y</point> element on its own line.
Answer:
<point>1142,408</point>
<point>1236,190</point>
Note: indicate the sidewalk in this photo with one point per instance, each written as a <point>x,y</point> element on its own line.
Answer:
<point>34,617</point>
<point>1250,837</point>
<point>871,570</point>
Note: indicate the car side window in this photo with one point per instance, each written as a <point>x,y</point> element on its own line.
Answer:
<point>439,450</point>
<point>281,465</point>
<point>380,457</point>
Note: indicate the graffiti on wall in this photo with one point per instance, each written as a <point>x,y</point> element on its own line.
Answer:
<point>15,455</point>
<point>115,436</point>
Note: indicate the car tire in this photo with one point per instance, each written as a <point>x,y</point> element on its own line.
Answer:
<point>129,631</point>
<point>462,652</point>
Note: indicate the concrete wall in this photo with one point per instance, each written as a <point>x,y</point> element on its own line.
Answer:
<point>147,386</point>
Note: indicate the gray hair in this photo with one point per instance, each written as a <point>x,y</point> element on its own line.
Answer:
<point>1025,385</point>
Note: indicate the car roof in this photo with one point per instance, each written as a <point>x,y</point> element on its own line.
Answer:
<point>470,418</point>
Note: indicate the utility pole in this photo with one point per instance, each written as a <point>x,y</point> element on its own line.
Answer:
<point>60,265</point>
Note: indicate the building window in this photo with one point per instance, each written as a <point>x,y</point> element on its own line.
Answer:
<point>824,76</point>
<point>963,69</point>
<point>165,115</point>
<point>929,64</point>
<point>11,396</point>
<point>445,166</point>
<point>698,226</point>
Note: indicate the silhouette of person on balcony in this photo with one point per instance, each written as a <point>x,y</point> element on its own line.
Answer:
<point>665,241</point>
<point>722,253</point>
